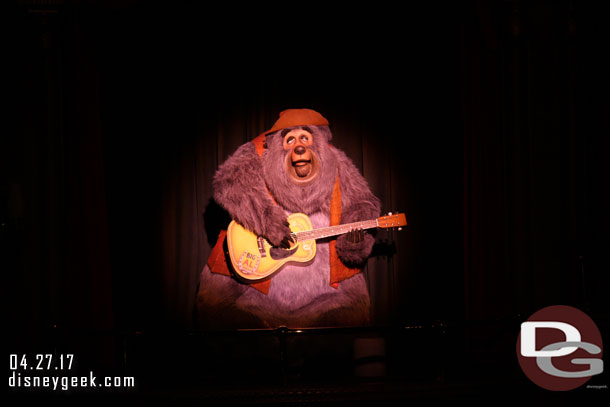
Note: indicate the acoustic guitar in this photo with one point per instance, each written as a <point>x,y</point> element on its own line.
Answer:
<point>255,259</point>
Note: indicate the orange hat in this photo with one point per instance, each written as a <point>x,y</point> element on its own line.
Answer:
<point>298,117</point>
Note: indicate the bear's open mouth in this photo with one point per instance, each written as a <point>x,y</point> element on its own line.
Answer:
<point>302,169</point>
<point>300,163</point>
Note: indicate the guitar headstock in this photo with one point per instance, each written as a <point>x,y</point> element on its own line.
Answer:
<point>396,220</point>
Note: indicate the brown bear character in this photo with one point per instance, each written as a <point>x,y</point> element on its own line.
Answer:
<point>291,168</point>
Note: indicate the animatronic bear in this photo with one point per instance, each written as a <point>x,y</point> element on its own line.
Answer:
<point>288,169</point>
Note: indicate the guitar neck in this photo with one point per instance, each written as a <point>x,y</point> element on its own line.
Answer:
<point>335,230</point>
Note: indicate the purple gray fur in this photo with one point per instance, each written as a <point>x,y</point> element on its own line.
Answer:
<point>242,185</point>
<point>239,187</point>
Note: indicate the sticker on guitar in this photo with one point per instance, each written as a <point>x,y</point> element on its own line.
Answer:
<point>248,263</point>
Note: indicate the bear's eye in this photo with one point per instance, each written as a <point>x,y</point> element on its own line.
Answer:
<point>290,140</point>
<point>304,138</point>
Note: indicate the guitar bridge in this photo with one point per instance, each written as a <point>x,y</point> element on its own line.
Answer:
<point>261,246</point>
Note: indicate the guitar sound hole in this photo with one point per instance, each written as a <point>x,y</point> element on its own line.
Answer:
<point>277,253</point>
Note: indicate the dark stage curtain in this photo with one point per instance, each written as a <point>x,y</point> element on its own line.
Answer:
<point>534,109</point>
<point>481,120</point>
<point>54,216</point>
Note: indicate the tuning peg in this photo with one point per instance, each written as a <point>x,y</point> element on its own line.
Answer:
<point>399,229</point>
<point>389,213</point>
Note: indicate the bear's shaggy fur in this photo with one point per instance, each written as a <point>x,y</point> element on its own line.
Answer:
<point>300,295</point>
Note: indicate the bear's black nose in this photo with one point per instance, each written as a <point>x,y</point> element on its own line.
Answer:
<point>300,150</point>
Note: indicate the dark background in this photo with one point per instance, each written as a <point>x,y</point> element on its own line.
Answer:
<point>485,122</point>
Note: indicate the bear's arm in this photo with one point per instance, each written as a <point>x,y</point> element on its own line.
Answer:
<point>357,203</point>
<point>239,187</point>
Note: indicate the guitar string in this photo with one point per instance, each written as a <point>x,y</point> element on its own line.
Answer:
<point>332,230</point>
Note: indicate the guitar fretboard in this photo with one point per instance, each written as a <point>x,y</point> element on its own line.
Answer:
<point>329,231</point>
